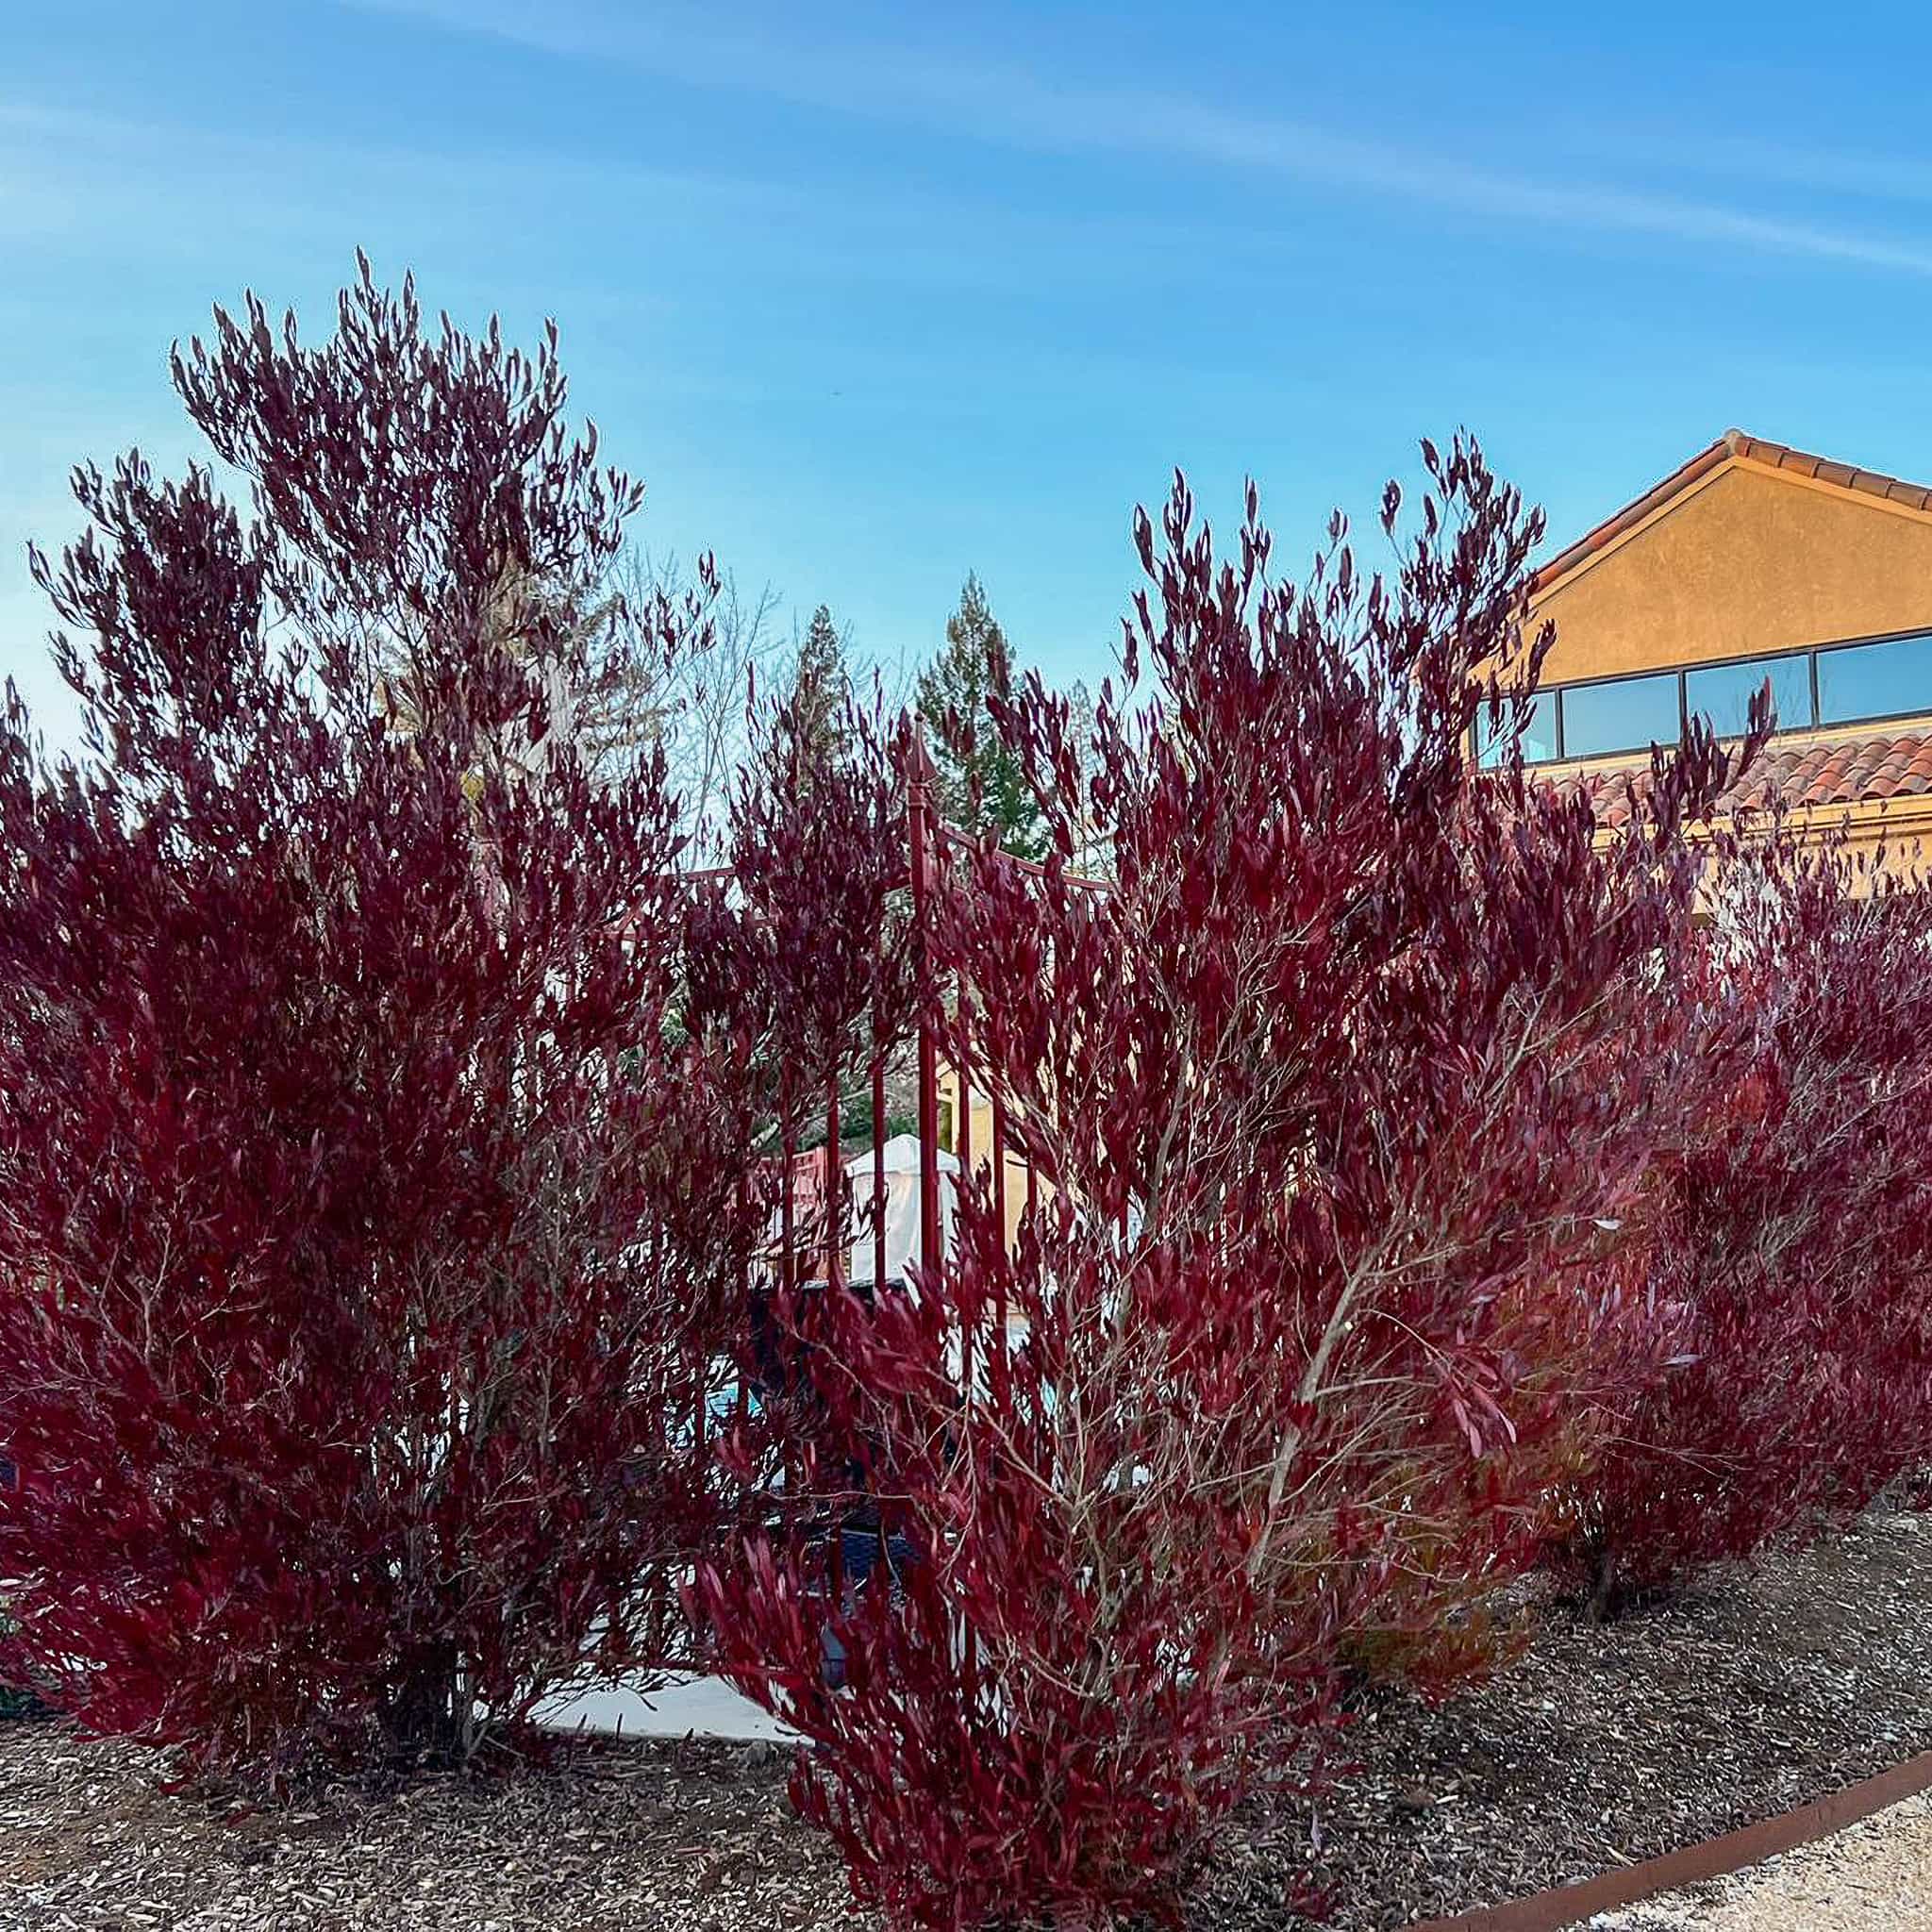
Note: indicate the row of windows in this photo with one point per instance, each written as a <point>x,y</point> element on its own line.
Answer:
<point>1840,684</point>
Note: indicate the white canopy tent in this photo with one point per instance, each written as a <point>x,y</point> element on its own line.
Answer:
<point>901,1211</point>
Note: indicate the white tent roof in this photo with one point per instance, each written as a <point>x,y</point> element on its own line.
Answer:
<point>902,1157</point>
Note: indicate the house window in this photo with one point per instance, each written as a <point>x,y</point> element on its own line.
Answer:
<point>1835,684</point>
<point>1624,714</point>
<point>1538,733</point>
<point>1723,692</point>
<point>1883,680</point>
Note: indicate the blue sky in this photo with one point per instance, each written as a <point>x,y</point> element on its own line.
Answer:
<point>873,295</point>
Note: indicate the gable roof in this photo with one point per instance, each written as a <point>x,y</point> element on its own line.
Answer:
<point>1810,777</point>
<point>1732,443</point>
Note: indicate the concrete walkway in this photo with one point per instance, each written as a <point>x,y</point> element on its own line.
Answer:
<point>1872,1876</point>
<point>687,1707</point>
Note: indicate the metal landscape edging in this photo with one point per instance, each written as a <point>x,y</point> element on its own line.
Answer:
<point>1716,1858</point>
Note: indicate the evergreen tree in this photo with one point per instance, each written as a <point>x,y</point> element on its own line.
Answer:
<point>821,683</point>
<point>982,785</point>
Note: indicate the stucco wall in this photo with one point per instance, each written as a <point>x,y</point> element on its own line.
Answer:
<point>1751,560</point>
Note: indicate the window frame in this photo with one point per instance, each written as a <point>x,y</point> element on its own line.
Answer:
<point>1618,751</point>
<point>1812,653</point>
<point>1808,652</point>
<point>1822,651</point>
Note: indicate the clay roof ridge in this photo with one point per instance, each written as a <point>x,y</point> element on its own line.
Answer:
<point>1850,771</point>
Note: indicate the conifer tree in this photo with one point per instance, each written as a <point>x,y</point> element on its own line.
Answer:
<point>982,781</point>
<point>822,684</point>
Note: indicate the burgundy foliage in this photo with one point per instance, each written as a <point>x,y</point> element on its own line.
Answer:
<point>804,968</point>
<point>1335,1102</point>
<point>374,1212</point>
<point>1794,1225</point>
<point>390,1182</point>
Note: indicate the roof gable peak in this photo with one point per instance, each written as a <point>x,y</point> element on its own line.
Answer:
<point>1733,446</point>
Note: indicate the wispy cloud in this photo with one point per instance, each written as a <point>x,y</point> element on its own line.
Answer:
<point>1863,175</point>
<point>68,174</point>
<point>1062,114</point>
<point>71,139</point>
<point>173,193</point>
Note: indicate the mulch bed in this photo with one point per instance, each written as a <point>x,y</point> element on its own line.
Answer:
<point>1598,1746</point>
<point>697,1836</point>
<point>1606,1746</point>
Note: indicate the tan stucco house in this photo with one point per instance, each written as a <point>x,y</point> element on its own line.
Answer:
<point>1755,560</point>
<point>1752,562</point>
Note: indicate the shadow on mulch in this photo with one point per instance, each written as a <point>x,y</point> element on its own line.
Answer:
<point>1607,1745</point>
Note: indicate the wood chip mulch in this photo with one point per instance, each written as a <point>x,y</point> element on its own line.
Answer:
<point>1604,1746</point>
<point>1598,1746</point>
<point>668,1837</point>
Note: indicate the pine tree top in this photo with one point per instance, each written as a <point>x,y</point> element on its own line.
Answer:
<point>982,787</point>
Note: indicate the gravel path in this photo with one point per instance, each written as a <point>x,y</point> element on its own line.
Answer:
<point>1872,1876</point>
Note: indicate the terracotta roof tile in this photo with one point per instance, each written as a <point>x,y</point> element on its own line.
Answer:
<point>1733,442</point>
<point>1813,777</point>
